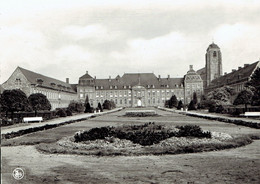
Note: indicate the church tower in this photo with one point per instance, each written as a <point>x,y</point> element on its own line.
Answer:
<point>213,63</point>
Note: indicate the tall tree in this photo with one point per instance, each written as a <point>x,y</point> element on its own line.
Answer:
<point>254,85</point>
<point>195,99</point>
<point>38,102</point>
<point>180,105</point>
<point>173,102</point>
<point>244,97</point>
<point>14,100</point>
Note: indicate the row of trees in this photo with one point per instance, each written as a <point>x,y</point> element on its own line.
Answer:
<point>16,100</point>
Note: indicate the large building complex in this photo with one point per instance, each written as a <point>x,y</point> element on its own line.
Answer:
<point>134,89</point>
<point>139,89</point>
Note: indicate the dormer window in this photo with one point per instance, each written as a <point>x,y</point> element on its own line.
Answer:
<point>53,84</point>
<point>115,87</point>
<point>124,87</point>
<point>96,87</point>
<point>153,86</point>
<point>101,87</point>
<point>111,87</point>
<point>39,81</point>
<point>148,86</point>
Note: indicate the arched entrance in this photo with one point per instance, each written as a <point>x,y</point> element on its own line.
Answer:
<point>138,96</point>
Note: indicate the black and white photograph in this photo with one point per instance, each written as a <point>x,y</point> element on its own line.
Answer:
<point>130,92</point>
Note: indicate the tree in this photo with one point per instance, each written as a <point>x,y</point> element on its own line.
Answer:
<point>86,100</point>
<point>14,100</point>
<point>191,105</point>
<point>195,99</point>
<point>100,107</point>
<point>39,101</point>
<point>254,85</point>
<point>109,105</point>
<point>180,105</point>
<point>88,108</point>
<point>75,106</point>
<point>221,96</point>
<point>173,102</point>
<point>244,97</point>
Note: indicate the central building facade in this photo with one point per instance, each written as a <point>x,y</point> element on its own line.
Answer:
<point>139,89</point>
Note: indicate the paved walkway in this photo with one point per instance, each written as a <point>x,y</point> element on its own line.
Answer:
<point>5,130</point>
<point>201,114</point>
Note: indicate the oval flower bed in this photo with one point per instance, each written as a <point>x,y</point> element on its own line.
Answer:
<point>143,140</point>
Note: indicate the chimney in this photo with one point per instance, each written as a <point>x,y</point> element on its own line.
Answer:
<point>67,80</point>
<point>109,78</point>
<point>168,77</point>
<point>191,67</point>
<point>233,70</point>
<point>86,72</point>
<point>159,77</point>
<point>225,73</point>
<point>245,65</point>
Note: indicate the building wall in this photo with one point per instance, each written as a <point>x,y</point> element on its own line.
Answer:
<point>57,98</point>
<point>128,97</point>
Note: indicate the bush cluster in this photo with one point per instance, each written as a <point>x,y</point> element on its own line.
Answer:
<point>192,131</point>
<point>146,134</point>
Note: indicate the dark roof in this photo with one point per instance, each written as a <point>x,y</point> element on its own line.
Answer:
<point>213,46</point>
<point>48,82</point>
<point>86,76</point>
<point>201,71</point>
<point>235,76</point>
<point>147,80</point>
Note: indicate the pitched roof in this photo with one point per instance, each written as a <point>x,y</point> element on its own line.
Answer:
<point>48,82</point>
<point>235,76</point>
<point>86,76</point>
<point>148,80</point>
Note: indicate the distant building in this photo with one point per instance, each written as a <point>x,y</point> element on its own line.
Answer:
<point>139,89</point>
<point>236,79</point>
<point>58,93</point>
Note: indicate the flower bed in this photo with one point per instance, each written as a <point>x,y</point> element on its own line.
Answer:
<point>111,141</point>
<point>140,113</point>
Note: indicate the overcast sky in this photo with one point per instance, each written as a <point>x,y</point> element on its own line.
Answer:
<point>66,38</point>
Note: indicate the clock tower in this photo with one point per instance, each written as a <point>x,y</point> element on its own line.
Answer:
<point>213,63</point>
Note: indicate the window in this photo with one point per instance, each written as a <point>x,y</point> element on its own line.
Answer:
<point>125,101</point>
<point>18,81</point>
<point>214,54</point>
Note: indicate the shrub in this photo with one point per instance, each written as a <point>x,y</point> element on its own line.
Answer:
<point>109,105</point>
<point>212,108</point>
<point>220,109</point>
<point>192,131</point>
<point>192,105</point>
<point>76,106</point>
<point>146,134</point>
<point>100,107</point>
<point>88,108</point>
<point>180,105</point>
<point>68,112</point>
<point>61,113</point>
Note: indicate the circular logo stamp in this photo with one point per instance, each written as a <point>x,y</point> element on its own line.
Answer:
<point>18,173</point>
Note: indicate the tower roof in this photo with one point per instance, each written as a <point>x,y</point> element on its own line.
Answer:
<point>213,46</point>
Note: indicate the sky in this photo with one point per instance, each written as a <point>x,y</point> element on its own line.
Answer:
<point>65,38</point>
